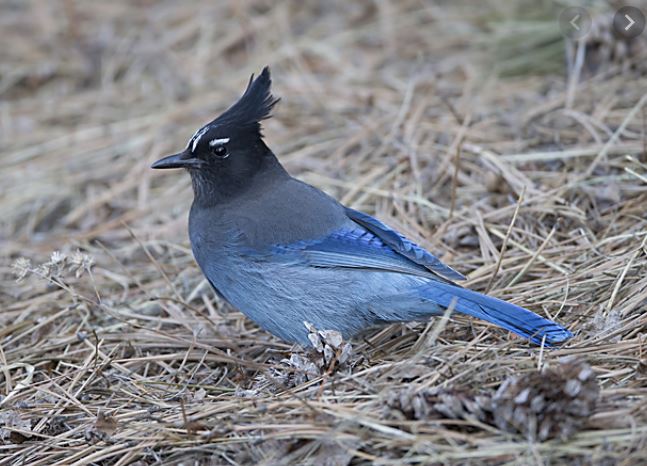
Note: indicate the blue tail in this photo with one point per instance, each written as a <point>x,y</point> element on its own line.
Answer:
<point>506,315</point>
<point>431,298</point>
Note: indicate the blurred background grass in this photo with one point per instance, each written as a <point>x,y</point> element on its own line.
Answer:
<point>439,117</point>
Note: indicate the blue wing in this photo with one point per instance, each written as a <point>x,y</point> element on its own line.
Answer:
<point>369,245</point>
<point>352,247</point>
<point>403,246</point>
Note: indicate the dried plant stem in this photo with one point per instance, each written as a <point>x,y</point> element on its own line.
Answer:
<point>505,241</point>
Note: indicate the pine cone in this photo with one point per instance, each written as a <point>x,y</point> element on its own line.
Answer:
<point>552,403</point>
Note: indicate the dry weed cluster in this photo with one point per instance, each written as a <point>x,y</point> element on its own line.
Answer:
<point>471,127</point>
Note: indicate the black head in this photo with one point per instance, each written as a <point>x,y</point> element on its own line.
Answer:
<point>224,155</point>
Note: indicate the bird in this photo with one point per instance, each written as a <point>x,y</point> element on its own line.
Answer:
<point>285,253</point>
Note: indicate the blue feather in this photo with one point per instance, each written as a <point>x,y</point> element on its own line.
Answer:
<point>357,248</point>
<point>353,248</point>
<point>404,246</point>
<point>509,316</point>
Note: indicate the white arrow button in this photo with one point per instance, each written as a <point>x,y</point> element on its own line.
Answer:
<point>628,22</point>
<point>631,22</point>
<point>574,22</point>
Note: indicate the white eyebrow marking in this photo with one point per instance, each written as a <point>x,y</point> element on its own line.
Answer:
<point>196,137</point>
<point>215,142</point>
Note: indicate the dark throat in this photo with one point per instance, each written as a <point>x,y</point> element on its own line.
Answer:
<point>217,184</point>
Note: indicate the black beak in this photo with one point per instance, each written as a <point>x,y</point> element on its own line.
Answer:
<point>181,160</point>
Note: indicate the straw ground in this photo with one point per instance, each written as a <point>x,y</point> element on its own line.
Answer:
<point>516,157</point>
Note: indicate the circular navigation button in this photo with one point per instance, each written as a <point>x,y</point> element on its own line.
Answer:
<point>575,22</point>
<point>628,22</point>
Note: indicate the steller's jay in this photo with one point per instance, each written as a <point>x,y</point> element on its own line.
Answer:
<point>285,253</point>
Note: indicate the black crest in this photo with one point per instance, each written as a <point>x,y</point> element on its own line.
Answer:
<point>254,105</point>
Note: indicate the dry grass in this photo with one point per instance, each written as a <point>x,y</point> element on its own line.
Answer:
<point>392,107</point>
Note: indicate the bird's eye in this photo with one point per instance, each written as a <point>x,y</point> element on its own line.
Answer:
<point>220,151</point>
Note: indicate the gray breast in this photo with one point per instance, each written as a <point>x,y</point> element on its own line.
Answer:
<point>280,296</point>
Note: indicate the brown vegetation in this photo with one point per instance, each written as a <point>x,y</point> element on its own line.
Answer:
<point>458,124</point>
